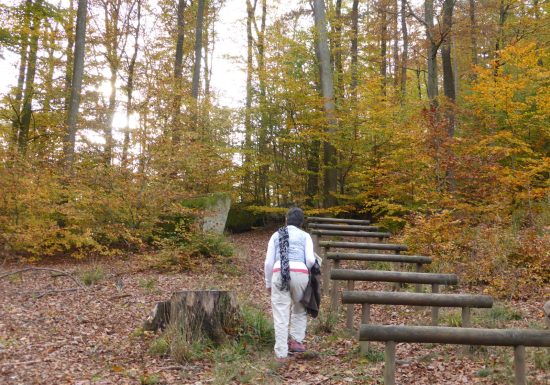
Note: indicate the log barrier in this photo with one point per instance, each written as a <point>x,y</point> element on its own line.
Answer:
<point>518,338</point>
<point>337,220</point>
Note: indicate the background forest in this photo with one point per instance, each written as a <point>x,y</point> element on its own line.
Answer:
<point>432,118</point>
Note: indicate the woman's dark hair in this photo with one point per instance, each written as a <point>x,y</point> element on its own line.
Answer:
<point>295,217</point>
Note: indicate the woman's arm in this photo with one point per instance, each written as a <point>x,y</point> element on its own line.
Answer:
<point>269,261</point>
<point>310,253</point>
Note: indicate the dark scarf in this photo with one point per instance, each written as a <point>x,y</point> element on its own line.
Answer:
<point>285,266</point>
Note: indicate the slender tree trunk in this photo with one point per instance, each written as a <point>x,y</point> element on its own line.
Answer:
<point>447,64</point>
<point>112,17</point>
<point>23,56</point>
<point>130,87</point>
<point>50,67</point>
<point>264,117</point>
<point>405,54</point>
<point>178,72</point>
<point>248,129</point>
<point>77,76</point>
<point>26,113</point>
<point>197,63</point>
<point>69,30</point>
<point>327,85</point>
<point>383,43</point>
<point>432,52</point>
<point>338,67</point>
<point>395,30</point>
<point>473,31</point>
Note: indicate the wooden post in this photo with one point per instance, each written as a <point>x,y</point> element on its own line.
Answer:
<point>389,368</point>
<point>315,239</point>
<point>519,365</point>
<point>435,309</point>
<point>418,286</point>
<point>326,272</point>
<point>365,319</point>
<point>334,295</point>
<point>466,323</point>
<point>350,309</point>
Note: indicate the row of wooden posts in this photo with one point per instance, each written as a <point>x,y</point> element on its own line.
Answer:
<point>329,227</point>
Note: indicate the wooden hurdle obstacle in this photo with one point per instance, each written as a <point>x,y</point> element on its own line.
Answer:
<point>389,276</point>
<point>395,258</point>
<point>518,338</point>
<point>342,227</point>
<point>337,220</point>
<point>368,298</point>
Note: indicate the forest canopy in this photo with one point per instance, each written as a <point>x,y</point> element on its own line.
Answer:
<point>430,117</point>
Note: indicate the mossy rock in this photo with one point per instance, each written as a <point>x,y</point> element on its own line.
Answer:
<point>214,207</point>
<point>241,219</point>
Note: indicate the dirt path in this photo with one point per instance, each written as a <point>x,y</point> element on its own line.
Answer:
<point>93,336</point>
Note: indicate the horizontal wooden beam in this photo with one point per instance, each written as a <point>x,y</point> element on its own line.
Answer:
<point>343,227</point>
<point>392,276</point>
<point>368,234</point>
<point>459,336</point>
<point>378,257</point>
<point>337,220</point>
<point>417,299</point>
<point>361,245</point>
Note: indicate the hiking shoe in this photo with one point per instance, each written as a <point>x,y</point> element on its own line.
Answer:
<point>281,360</point>
<point>296,347</point>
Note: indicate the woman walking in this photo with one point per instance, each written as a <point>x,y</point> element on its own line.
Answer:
<point>289,257</point>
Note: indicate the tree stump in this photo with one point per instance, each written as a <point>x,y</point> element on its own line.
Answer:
<point>198,314</point>
<point>159,318</point>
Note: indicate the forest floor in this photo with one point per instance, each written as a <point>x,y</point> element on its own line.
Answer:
<point>94,336</point>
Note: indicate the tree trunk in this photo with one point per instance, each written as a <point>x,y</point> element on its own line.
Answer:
<point>383,44</point>
<point>405,55</point>
<point>327,86</point>
<point>69,30</point>
<point>78,74</point>
<point>23,56</point>
<point>432,52</point>
<point>130,88</point>
<point>338,67</point>
<point>209,314</point>
<point>447,64</point>
<point>178,71</point>
<point>26,113</point>
<point>264,118</point>
<point>198,50</point>
<point>197,64</point>
<point>248,129</point>
<point>473,31</point>
<point>395,31</point>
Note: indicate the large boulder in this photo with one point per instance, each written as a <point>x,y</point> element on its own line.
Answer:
<point>215,208</point>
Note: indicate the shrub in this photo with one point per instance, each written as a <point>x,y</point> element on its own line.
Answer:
<point>92,276</point>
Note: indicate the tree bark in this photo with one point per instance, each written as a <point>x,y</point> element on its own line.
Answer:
<point>178,72</point>
<point>130,87</point>
<point>383,44</point>
<point>69,30</point>
<point>78,74</point>
<point>111,44</point>
<point>432,52</point>
<point>447,64</point>
<point>198,50</point>
<point>405,54</point>
<point>264,118</point>
<point>338,67</point>
<point>208,314</point>
<point>473,31</point>
<point>248,129</point>
<point>26,113</point>
<point>197,64</point>
<point>327,86</point>
<point>23,56</point>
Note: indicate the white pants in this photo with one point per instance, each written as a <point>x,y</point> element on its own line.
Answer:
<point>286,307</point>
